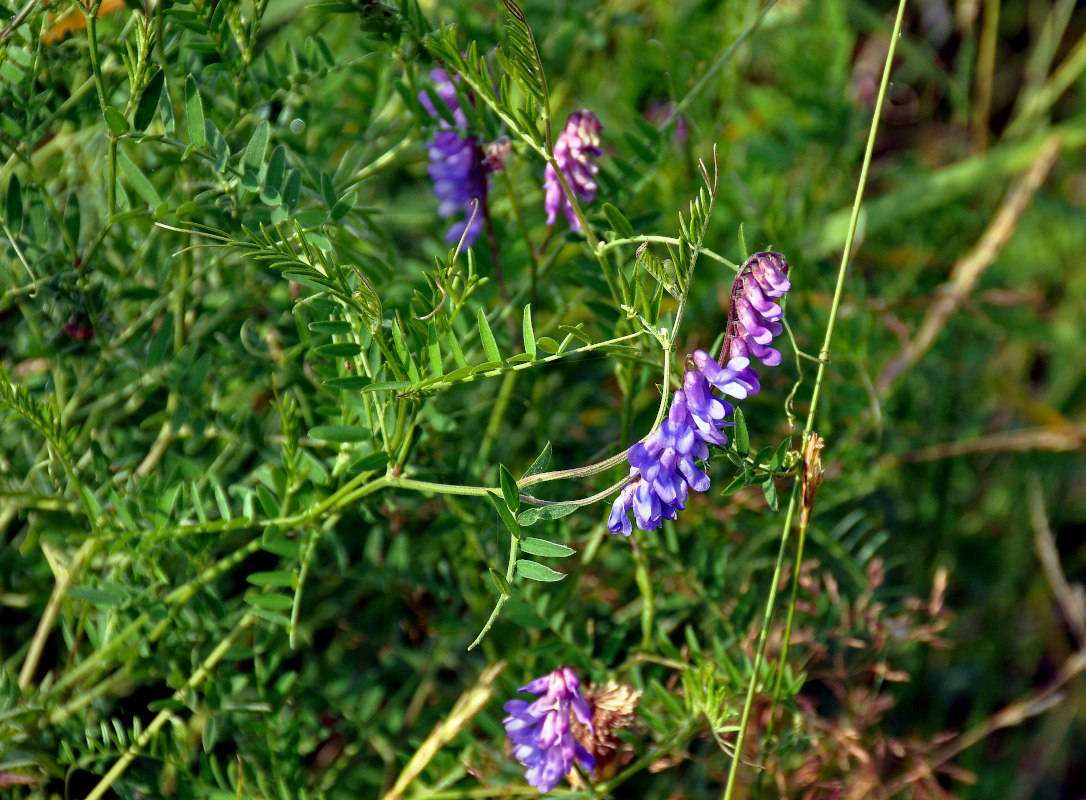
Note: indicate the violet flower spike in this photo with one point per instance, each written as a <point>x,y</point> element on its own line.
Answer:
<point>576,150</point>
<point>664,467</point>
<point>757,319</point>
<point>540,731</point>
<point>457,166</point>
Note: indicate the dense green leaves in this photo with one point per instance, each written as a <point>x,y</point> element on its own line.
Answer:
<point>260,420</point>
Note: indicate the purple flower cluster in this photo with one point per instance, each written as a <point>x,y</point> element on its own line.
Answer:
<point>456,163</point>
<point>576,150</point>
<point>755,318</point>
<point>664,467</point>
<point>540,731</point>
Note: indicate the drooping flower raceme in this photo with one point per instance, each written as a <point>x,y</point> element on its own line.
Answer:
<point>664,467</point>
<point>540,730</point>
<point>576,150</point>
<point>456,163</point>
<point>755,319</point>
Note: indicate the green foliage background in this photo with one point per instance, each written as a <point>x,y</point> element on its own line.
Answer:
<point>189,474</point>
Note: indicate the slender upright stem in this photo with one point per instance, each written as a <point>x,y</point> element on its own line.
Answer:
<point>514,548</point>
<point>846,256</point>
<point>816,394</point>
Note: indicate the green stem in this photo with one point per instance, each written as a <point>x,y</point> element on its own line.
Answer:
<point>614,243</point>
<point>96,69</point>
<point>382,345</point>
<point>648,597</point>
<point>87,696</point>
<point>111,191</point>
<point>303,572</point>
<point>514,547</point>
<point>22,259</point>
<point>816,394</point>
<point>789,620</point>
<point>590,238</point>
<point>377,164</point>
<point>441,488</point>
<point>52,609</point>
<point>664,749</point>
<point>406,445</point>
<point>1065,75</point>
<point>525,365</point>
<point>96,66</point>
<point>17,20</point>
<point>181,595</point>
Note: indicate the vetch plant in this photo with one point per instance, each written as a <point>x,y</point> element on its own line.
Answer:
<point>663,468</point>
<point>294,470</point>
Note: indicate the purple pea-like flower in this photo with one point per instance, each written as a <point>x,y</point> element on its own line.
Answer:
<point>456,163</point>
<point>738,379</point>
<point>540,730</point>
<point>664,467</point>
<point>576,150</point>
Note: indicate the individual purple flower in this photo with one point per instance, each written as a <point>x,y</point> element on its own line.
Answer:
<point>576,150</point>
<point>664,467</point>
<point>540,730</point>
<point>737,379</point>
<point>456,163</point>
<point>660,111</point>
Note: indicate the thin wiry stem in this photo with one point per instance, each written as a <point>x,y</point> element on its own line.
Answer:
<point>816,394</point>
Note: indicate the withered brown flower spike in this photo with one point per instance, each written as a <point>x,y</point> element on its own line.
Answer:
<point>612,706</point>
